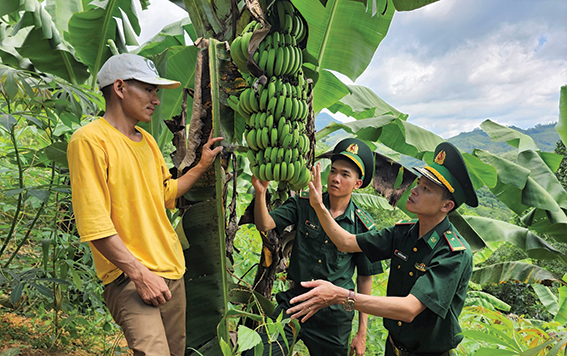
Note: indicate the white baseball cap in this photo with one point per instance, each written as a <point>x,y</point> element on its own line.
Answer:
<point>127,66</point>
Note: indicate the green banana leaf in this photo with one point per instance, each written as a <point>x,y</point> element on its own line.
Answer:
<point>478,298</point>
<point>561,315</point>
<point>543,175</point>
<point>8,44</point>
<point>62,10</point>
<point>499,133</point>
<point>561,126</point>
<point>340,32</point>
<point>44,47</point>
<point>371,201</point>
<point>513,272</point>
<point>344,32</point>
<point>492,230</point>
<point>90,31</point>
<point>328,90</point>
<point>547,298</point>
<point>408,5</point>
<point>363,103</point>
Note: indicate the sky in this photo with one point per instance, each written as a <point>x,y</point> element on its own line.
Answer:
<point>455,63</point>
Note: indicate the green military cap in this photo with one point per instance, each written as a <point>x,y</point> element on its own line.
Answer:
<point>360,154</point>
<point>449,170</point>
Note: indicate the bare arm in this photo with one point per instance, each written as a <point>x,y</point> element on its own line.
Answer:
<point>151,287</point>
<point>325,293</point>
<point>186,181</point>
<point>262,218</point>
<point>344,240</point>
<point>358,344</point>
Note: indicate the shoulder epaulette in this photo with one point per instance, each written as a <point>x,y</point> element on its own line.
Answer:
<point>407,222</point>
<point>304,194</point>
<point>365,218</point>
<point>454,241</point>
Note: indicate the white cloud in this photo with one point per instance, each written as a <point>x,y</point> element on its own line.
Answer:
<point>510,73</point>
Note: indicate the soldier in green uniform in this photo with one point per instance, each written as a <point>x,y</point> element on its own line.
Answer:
<point>314,256</point>
<point>430,263</point>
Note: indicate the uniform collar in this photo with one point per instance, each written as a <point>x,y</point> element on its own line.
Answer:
<point>349,211</point>
<point>433,236</point>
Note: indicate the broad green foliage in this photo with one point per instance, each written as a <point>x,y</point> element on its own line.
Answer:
<point>70,39</point>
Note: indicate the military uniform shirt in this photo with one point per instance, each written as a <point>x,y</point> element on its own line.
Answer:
<point>435,269</point>
<point>314,256</point>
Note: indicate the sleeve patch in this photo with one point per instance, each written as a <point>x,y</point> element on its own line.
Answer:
<point>454,241</point>
<point>365,218</point>
<point>407,222</point>
<point>304,194</point>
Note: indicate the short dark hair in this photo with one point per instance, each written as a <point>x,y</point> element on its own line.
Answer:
<point>107,89</point>
<point>448,196</point>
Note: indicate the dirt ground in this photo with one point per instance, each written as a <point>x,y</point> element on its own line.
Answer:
<point>19,336</point>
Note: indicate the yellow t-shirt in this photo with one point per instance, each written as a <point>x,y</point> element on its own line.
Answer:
<point>123,187</point>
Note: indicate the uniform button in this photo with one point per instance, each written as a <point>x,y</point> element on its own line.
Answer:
<point>411,273</point>
<point>415,249</point>
<point>319,261</point>
<point>399,323</point>
<point>306,234</point>
<point>399,266</point>
<point>326,241</point>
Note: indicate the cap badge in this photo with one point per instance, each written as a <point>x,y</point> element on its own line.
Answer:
<point>440,159</point>
<point>353,148</point>
<point>151,66</point>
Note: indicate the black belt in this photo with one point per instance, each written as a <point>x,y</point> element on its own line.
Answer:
<point>402,351</point>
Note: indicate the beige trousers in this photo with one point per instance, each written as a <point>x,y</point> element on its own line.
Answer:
<point>149,330</point>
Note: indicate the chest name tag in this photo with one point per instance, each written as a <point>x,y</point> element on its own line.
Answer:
<point>311,225</point>
<point>401,255</point>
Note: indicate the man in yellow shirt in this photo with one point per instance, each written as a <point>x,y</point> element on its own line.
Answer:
<point>121,187</point>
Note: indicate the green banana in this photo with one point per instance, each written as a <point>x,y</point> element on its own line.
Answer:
<point>260,120</point>
<point>251,139</point>
<point>244,44</point>
<point>272,87</point>
<point>251,157</point>
<point>274,155</point>
<point>259,141</point>
<point>283,171</point>
<point>288,107</point>
<point>287,155</point>
<point>262,173</point>
<point>288,23</point>
<point>254,105</point>
<point>294,154</point>
<point>279,63</point>
<point>263,102</point>
<point>262,62</point>
<point>245,101</point>
<point>279,107</point>
<point>271,109</point>
<point>269,171</point>
<point>267,154</point>
<point>274,137</point>
<point>271,62</point>
<point>265,137</point>
<point>286,141</point>
<point>269,121</point>
<point>281,124</point>
<point>276,174</point>
<point>281,13</point>
<point>294,109</point>
<point>260,157</point>
<point>285,133</point>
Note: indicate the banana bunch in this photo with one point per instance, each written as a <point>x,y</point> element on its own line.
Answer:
<point>276,107</point>
<point>239,46</point>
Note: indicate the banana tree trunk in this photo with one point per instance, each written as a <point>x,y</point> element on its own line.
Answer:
<point>202,229</point>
